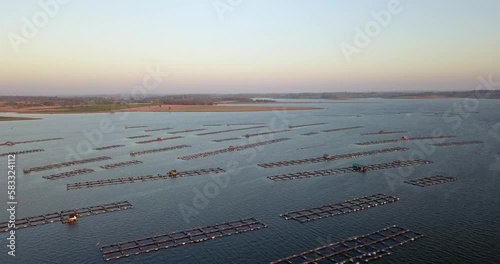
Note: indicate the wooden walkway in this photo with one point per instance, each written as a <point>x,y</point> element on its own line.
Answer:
<point>356,249</point>
<point>178,238</point>
<point>62,215</point>
<point>341,208</point>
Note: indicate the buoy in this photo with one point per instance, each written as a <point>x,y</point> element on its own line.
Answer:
<point>405,138</point>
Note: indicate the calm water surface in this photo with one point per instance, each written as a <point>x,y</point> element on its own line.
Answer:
<point>460,220</point>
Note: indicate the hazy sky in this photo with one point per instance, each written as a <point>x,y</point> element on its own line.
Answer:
<point>103,47</point>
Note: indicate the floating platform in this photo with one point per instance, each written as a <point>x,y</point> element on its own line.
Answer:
<point>30,141</point>
<point>109,147</point>
<point>135,153</point>
<point>65,164</point>
<point>178,238</point>
<point>186,131</point>
<point>307,125</point>
<point>327,157</point>
<point>329,172</point>
<point>457,143</point>
<point>128,127</point>
<point>21,152</point>
<point>334,209</point>
<point>68,174</point>
<point>157,129</point>
<point>432,180</point>
<point>246,124</point>
<point>356,249</point>
<point>62,215</point>
<point>341,129</point>
<point>266,133</point>
<point>228,130</point>
<point>116,181</point>
<point>158,140</point>
<point>140,136</point>
<point>382,132</point>
<point>310,133</point>
<point>230,149</point>
<point>399,140</point>
<point>225,139</point>
<point>120,164</point>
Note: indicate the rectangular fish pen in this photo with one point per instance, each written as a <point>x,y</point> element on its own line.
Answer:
<point>178,238</point>
<point>60,216</point>
<point>432,180</point>
<point>341,208</point>
<point>356,249</point>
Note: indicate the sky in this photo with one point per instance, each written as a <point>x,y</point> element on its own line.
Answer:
<point>79,47</point>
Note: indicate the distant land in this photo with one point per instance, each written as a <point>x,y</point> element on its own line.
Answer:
<point>203,102</point>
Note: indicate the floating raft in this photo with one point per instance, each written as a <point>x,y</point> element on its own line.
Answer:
<point>225,139</point>
<point>266,133</point>
<point>128,127</point>
<point>134,153</point>
<point>381,132</point>
<point>68,174</point>
<point>238,148</point>
<point>228,130</point>
<point>356,249</point>
<point>328,172</point>
<point>115,181</point>
<point>246,124</point>
<point>60,216</point>
<point>140,136</point>
<point>327,157</point>
<point>213,125</point>
<point>178,238</point>
<point>158,140</point>
<point>65,164</point>
<point>310,133</point>
<point>345,207</point>
<point>157,129</point>
<point>109,147</point>
<point>33,141</point>
<point>432,180</point>
<point>187,131</point>
<point>306,125</point>
<point>341,129</point>
<point>21,152</point>
<point>399,140</point>
<point>457,143</point>
<point>120,164</point>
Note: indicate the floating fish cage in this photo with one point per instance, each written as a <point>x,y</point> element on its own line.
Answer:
<point>66,164</point>
<point>115,181</point>
<point>399,140</point>
<point>329,172</point>
<point>225,139</point>
<point>178,238</point>
<point>228,130</point>
<point>68,174</point>
<point>307,125</point>
<point>62,215</point>
<point>266,133</point>
<point>356,249</point>
<point>231,148</point>
<point>341,208</point>
<point>120,164</point>
<point>432,180</point>
<point>135,153</point>
<point>21,152</point>
<point>327,157</point>
<point>109,147</point>
<point>341,129</point>
<point>457,143</point>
